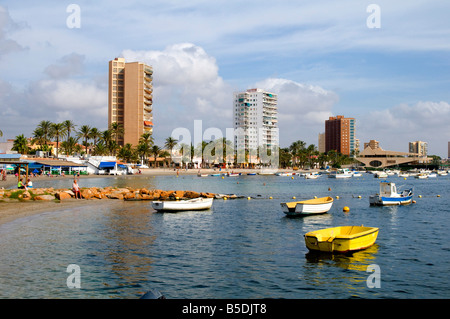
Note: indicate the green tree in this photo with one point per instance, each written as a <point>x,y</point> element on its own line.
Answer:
<point>126,153</point>
<point>155,150</point>
<point>57,130</point>
<point>20,144</point>
<point>85,135</point>
<point>69,127</point>
<point>117,131</point>
<point>69,146</point>
<point>45,127</point>
<point>95,135</point>
<point>170,144</point>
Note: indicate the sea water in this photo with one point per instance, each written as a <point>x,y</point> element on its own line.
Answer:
<point>240,248</point>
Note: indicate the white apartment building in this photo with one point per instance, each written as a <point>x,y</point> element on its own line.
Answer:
<point>255,115</point>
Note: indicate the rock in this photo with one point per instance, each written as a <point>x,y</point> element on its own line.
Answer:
<point>86,193</point>
<point>191,194</point>
<point>129,195</point>
<point>179,194</point>
<point>44,197</point>
<point>207,195</point>
<point>116,195</point>
<point>26,194</point>
<point>62,195</point>
<point>144,191</point>
<point>156,193</point>
<point>164,195</point>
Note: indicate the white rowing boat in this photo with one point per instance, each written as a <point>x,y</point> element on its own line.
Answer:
<point>308,207</point>
<point>183,205</point>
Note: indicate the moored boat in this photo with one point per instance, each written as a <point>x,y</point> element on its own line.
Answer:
<point>308,207</point>
<point>380,175</point>
<point>311,176</point>
<point>341,173</point>
<point>389,195</point>
<point>183,205</point>
<point>233,174</point>
<point>283,174</point>
<point>341,239</point>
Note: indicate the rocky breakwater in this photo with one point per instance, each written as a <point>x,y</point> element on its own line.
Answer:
<point>93,193</point>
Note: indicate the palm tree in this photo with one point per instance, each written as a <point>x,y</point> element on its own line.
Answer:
<point>57,130</point>
<point>126,153</point>
<point>20,144</point>
<point>45,127</point>
<point>100,149</point>
<point>70,145</point>
<point>170,144</point>
<point>95,135</point>
<point>38,137</point>
<point>84,133</point>
<point>155,150</point>
<point>117,130</point>
<point>296,148</point>
<point>69,126</point>
<point>143,150</point>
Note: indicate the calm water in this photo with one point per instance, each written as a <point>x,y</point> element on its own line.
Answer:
<point>238,249</point>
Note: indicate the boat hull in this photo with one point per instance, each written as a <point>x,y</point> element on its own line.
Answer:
<point>376,200</point>
<point>188,205</point>
<point>341,239</point>
<point>308,207</point>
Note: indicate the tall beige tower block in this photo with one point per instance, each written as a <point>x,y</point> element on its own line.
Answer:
<point>130,99</point>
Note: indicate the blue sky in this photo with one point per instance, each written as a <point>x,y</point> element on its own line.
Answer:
<point>320,57</point>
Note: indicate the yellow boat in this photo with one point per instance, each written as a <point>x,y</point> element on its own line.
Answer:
<point>308,207</point>
<point>341,239</point>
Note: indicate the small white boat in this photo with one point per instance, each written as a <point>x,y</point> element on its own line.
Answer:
<point>388,195</point>
<point>233,174</point>
<point>202,175</point>
<point>283,174</point>
<point>380,175</point>
<point>357,174</point>
<point>442,173</point>
<point>311,176</point>
<point>403,175</point>
<point>308,207</point>
<point>421,176</point>
<point>341,173</point>
<point>183,205</point>
<point>432,175</point>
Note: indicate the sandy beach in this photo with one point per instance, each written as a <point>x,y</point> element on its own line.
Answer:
<point>11,209</point>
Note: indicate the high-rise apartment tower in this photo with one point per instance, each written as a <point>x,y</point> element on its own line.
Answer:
<point>340,135</point>
<point>255,112</point>
<point>130,99</point>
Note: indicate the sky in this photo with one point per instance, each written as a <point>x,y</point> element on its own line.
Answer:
<point>386,65</point>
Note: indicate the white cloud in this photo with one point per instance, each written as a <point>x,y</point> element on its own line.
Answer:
<point>395,127</point>
<point>187,87</point>
<point>302,109</point>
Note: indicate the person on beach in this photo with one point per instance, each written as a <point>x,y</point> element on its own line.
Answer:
<point>20,185</point>
<point>76,189</point>
<point>29,183</point>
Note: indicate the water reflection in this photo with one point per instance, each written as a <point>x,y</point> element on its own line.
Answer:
<point>352,282</point>
<point>128,244</point>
